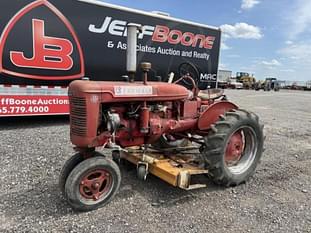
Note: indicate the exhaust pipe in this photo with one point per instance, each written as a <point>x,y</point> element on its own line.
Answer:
<point>131,52</point>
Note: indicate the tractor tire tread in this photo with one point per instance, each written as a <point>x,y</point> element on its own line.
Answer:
<point>215,144</point>
<point>69,165</point>
<point>72,183</point>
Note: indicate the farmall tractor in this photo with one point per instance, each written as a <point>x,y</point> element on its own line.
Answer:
<point>152,125</point>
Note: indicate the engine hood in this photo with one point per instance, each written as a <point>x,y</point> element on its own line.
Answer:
<point>125,91</point>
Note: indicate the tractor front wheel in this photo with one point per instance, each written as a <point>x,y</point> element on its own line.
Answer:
<point>92,183</point>
<point>70,164</point>
<point>234,147</point>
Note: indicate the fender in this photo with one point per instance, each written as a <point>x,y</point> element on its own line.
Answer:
<point>213,112</point>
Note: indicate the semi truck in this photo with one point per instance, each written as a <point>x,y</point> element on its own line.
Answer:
<point>46,44</point>
<point>223,78</point>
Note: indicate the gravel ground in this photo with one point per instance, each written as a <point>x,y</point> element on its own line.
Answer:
<point>276,199</point>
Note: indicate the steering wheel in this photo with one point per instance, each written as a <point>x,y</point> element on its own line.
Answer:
<point>189,79</point>
<point>188,69</point>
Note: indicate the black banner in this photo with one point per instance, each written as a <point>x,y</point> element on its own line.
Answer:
<point>54,42</point>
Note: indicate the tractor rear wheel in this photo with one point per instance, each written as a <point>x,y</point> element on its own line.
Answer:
<point>92,183</point>
<point>234,147</point>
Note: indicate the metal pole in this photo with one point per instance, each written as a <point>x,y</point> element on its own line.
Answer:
<point>131,52</point>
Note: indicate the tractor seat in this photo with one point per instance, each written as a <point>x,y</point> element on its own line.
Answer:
<point>210,94</point>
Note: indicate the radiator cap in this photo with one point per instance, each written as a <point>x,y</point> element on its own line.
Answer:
<point>145,66</point>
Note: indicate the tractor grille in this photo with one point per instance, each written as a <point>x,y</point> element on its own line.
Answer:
<point>78,117</point>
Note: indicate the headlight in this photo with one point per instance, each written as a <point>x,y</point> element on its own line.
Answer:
<point>113,122</point>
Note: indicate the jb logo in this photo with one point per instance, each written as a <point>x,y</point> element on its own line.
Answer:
<point>48,52</point>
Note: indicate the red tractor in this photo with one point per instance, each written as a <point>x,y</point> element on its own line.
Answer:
<point>154,115</point>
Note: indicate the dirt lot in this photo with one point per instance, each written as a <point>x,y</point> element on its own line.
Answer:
<point>276,199</point>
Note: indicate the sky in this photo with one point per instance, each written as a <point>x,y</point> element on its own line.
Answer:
<point>267,38</point>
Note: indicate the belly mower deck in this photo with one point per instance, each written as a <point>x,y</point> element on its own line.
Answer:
<point>175,167</point>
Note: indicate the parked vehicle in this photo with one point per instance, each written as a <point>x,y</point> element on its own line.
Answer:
<point>268,85</point>
<point>234,84</point>
<point>223,78</point>
<point>123,115</point>
<point>246,79</point>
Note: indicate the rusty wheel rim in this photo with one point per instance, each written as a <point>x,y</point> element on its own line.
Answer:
<point>95,185</point>
<point>234,148</point>
<point>241,150</point>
